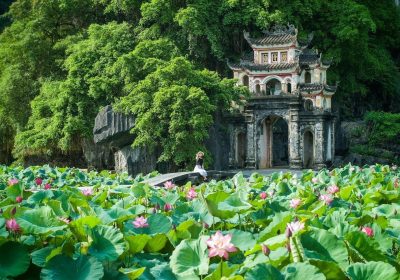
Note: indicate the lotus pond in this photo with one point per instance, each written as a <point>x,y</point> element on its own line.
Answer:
<point>60,224</point>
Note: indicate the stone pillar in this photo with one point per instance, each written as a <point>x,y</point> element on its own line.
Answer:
<point>319,145</point>
<point>333,138</point>
<point>294,141</point>
<point>251,142</point>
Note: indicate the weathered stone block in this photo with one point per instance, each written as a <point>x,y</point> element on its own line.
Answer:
<point>113,128</point>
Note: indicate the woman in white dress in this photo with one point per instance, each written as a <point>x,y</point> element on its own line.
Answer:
<point>199,165</point>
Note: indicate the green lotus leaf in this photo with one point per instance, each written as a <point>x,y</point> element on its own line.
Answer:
<point>40,221</point>
<point>64,268</point>
<point>276,226</point>
<point>158,223</point>
<point>14,191</point>
<point>190,258</point>
<point>39,196</point>
<point>364,246</point>
<point>242,239</point>
<point>302,271</point>
<point>372,271</point>
<point>213,201</point>
<point>81,225</point>
<point>156,243</point>
<point>264,271</point>
<point>133,273</point>
<point>323,245</point>
<point>39,256</point>
<point>14,259</point>
<point>235,203</point>
<point>108,243</point>
<point>331,270</point>
<point>162,271</point>
<point>222,271</point>
<point>137,242</point>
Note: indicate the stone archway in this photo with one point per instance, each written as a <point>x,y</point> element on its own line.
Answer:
<point>308,149</point>
<point>274,144</point>
<point>240,149</point>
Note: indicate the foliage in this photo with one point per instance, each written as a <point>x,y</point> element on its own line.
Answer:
<point>384,128</point>
<point>64,111</point>
<point>174,108</point>
<point>79,55</point>
<point>66,233</point>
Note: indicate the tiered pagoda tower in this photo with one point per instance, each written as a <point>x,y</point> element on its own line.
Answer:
<point>288,120</point>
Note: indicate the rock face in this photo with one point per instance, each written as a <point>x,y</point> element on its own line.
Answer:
<point>98,156</point>
<point>134,161</point>
<point>113,128</point>
<point>112,135</point>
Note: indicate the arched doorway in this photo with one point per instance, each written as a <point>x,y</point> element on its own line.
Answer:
<point>245,80</point>
<point>258,89</point>
<point>307,78</point>
<point>308,149</point>
<point>274,146</point>
<point>241,149</point>
<point>274,87</point>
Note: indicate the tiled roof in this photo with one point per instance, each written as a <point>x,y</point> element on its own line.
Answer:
<point>272,40</point>
<point>261,67</point>
<point>310,87</point>
<point>316,87</point>
<point>277,35</point>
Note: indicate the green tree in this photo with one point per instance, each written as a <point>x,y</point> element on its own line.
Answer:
<point>174,108</point>
<point>64,111</point>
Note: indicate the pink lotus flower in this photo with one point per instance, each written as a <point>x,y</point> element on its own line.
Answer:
<point>314,180</point>
<point>220,245</point>
<point>263,195</point>
<point>47,186</point>
<point>167,207</point>
<point>87,191</point>
<point>294,227</point>
<point>12,225</point>
<point>38,181</point>
<point>265,249</point>
<point>191,194</point>
<point>327,198</point>
<point>368,231</point>
<point>140,222</point>
<point>333,189</point>
<point>18,199</point>
<point>295,202</point>
<point>12,182</point>
<point>169,185</point>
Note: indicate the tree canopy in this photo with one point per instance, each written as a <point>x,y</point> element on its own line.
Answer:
<point>61,61</point>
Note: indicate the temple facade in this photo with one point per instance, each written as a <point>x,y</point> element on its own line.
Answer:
<point>287,121</point>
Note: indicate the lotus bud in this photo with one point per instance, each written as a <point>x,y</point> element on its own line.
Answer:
<point>288,232</point>
<point>205,225</point>
<point>13,211</point>
<point>167,207</point>
<point>18,199</point>
<point>266,251</point>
